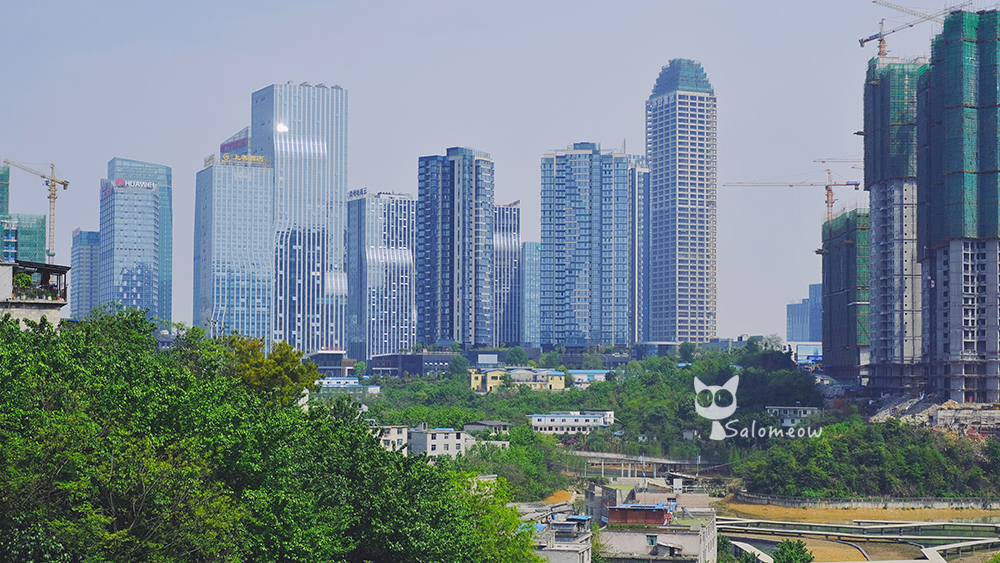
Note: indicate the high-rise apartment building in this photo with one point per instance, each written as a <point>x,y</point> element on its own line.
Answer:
<point>301,130</point>
<point>586,230</point>
<point>640,243</point>
<point>890,100</point>
<point>958,207</point>
<point>846,257</point>
<point>381,309</point>
<point>85,267</point>
<point>531,293</point>
<point>455,248</point>
<point>234,242</point>
<point>507,274</point>
<point>681,149</point>
<point>136,237</point>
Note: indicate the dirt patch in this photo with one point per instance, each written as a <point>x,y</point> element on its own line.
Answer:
<point>731,507</point>
<point>885,551</point>
<point>980,557</point>
<point>822,550</point>
<point>559,496</point>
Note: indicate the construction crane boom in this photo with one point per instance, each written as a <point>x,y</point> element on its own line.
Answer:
<point>935,17</point>
<point>829,185</point>
<point>52,183</point>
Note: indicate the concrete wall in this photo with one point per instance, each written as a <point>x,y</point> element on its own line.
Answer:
<point>795,502</point>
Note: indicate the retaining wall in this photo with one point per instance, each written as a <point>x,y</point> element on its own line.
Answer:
<point>799,502</point>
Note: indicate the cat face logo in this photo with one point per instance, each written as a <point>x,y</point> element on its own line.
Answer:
<point>714,412</point>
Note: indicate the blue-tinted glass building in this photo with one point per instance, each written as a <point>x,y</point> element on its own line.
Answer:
<point>455,248</point>
<point>85,267</point>
<point>586,244</point>
<point>639,249</point>
<point>531,293</point>
<point>234,242</point>
<point>381,308</point>
<point>301,130</point>
<point>136,237</point>
<point>506,274</point>
<point>23,233</point>
<point>681,148</point>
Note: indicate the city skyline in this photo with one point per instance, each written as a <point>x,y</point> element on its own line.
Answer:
<point>534,109</point>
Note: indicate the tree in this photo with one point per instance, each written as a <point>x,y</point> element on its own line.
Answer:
<point>516,357</point>
<point>456,347</point>
<point>686,350</point>
<point>458,366</point>
<point>359,369</point>
<point>22,281</point>
<point>550,359</point>
<point>592,360</point>
<point>789,551</point>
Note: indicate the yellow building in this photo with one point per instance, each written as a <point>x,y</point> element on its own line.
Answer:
<point>486,382</point>
<point>535,379</point>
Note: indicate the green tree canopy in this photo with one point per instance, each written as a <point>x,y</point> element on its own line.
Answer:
<point>792,551</point>
<point>516,357</point>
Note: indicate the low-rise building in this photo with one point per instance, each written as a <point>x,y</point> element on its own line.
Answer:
<point>539,379</point>
<point>494,426</point>
<point>32,290</point>
<point>391,436</point>
<point>486,382</point>
<point>345,386</point>
<point>788,417</point>
<point>570,422</point>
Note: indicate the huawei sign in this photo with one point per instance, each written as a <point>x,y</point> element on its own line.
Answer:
<point>134,184</point>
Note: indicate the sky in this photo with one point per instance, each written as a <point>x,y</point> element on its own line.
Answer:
<point>167,82</point>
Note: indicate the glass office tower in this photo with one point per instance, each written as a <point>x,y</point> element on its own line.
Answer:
<point>301,130</point>
<point>531,293</point>
<point>586,231</point>
<point>234,242</point>
<point>506,274</point>
<point>136,245</point>
<point>455,248</point>
<point>681,149</point>
<point>85,265</point>
<point>381,310</point>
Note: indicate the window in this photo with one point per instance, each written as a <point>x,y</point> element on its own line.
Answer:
<point>446,447</point>
<point>650,540</point>
<point>434,447</point>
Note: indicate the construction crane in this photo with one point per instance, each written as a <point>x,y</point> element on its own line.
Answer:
<point>52,183</point>
<point>857,163</point>
<point>829,185</point>
<point>935,17</point>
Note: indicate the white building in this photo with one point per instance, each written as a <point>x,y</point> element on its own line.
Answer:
<point>571,422</point>
<point>790,416</point>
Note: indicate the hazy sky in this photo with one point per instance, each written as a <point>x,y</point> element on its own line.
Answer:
<point>166,82</point>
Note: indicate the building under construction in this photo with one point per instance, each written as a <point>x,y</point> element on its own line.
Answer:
<point>845,296</point>
<point>23,234</point>
<point>890,101</point>
<point>958,167</point>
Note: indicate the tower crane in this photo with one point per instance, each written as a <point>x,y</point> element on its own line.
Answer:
<point>52,183</point>
<point>935,17</point>
<point>829,185</point>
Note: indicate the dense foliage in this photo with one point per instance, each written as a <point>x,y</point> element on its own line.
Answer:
<point>854,458</point>
<point>113,450</point>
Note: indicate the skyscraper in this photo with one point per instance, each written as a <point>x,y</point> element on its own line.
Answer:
<point>136,237</point>
<point>958,213</point>
<point>85,265</point>
<point>639,243</point>
<point>804,321</point>
<point>845,296</point>
<point>24,234</point>
<point>455,248</point>
<point>302,131</point>
<point>681,154</point>
<point>506,274</point>
<point>381,310</point>
<point>531,293</point>
<point>234,242</point>
<point>586,229</point>
<point>890,101</point>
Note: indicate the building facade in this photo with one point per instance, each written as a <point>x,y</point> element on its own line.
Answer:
<point>454,260</point>
<point>681,151</point>
<point>891,179</point>
<point>234,242</point>
<point>23,234</point>
<point>136,237</point>
<point>85,265</point>
<point>586,239</point>
<point>845,255</point>
<point>804,320</point>
<point>301,131</point>
<point>507,274</point>
<point>640,243</point>
<point>958,205</point>
<point>531,293</point>
<point>381,306</point>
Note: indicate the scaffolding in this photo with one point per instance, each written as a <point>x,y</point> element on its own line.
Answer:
<point>846,295</point>
<point>890,96</point>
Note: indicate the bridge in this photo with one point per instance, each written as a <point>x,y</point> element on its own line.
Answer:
<point>640,466</point>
